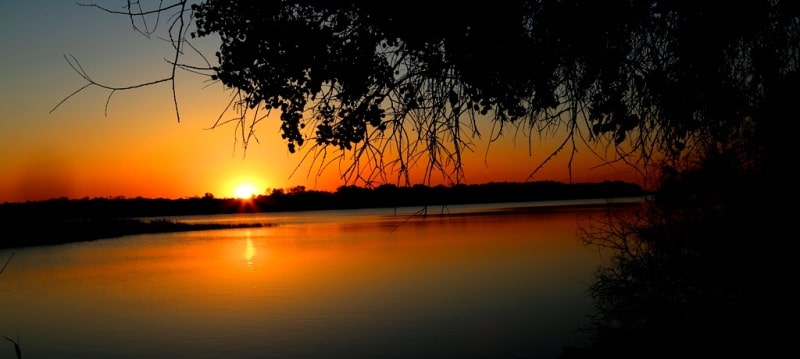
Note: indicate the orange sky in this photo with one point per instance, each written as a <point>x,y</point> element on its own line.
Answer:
<point>139,148</point>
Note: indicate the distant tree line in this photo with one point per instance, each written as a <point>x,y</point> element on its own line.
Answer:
<point>388,195</point>
<point>64,220</point>
<point>300,199</point>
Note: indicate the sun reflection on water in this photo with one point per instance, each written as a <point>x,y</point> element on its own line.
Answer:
<point>249,252</point>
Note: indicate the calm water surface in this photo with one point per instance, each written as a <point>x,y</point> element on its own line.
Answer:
<point>488,281</point>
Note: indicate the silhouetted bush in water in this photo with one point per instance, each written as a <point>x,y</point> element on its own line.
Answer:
<point>684,278</point>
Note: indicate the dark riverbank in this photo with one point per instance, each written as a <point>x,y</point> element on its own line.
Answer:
<point>65,220</point>
<point>52,233</point>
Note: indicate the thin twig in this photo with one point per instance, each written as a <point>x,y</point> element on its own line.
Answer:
<point>16,347</point>
<point>7,261</point>
<point>423,211</point>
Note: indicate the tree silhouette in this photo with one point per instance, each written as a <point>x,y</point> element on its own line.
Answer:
<point>695,89</point>
<point>394,86</point>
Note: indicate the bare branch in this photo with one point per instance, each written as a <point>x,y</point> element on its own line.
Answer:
<point>140,13</point>
<point>128,12</point>
<point>176,39</point>
<point>75,64</point>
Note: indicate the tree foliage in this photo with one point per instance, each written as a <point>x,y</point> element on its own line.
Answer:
<point>400,85</point>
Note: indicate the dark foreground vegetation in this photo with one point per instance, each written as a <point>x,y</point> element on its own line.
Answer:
<point>65,220</point>
<point>693,273</point>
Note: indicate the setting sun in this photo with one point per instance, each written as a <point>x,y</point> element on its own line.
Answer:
<point>245,190</point>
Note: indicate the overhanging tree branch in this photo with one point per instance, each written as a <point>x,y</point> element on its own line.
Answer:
<point>357,77</point>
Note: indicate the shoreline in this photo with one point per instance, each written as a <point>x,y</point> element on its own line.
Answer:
<point>33,232</point>
<point>64,232</point>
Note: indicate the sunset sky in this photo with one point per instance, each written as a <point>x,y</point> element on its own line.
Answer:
<point>139,149</point>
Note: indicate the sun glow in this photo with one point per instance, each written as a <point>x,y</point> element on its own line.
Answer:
<point>245,191</point>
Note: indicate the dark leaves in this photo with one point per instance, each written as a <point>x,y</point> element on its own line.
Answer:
<point>675,68</point>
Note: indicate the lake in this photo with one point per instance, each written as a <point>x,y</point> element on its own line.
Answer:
<point>481,281</point>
